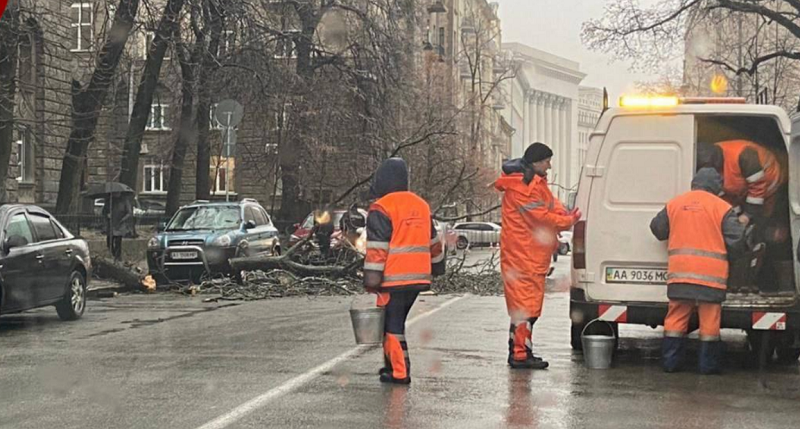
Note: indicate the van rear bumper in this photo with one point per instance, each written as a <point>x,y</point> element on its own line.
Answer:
<point>653,314</point>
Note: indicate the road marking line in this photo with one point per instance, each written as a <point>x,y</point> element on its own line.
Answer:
<point>290,385</point>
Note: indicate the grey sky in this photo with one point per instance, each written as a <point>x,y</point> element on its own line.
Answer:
<point>554,26</point>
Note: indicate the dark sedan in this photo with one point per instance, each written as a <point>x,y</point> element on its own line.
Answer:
<point>41,263</point>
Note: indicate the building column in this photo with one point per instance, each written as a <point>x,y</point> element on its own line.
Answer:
<point>540,125</point>
<point>532,119</point>
<point>564,143</point>
<point>548,123</point>
<point>526,123</point>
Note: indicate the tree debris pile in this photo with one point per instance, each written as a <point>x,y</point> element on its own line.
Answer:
<point>256,285</point>
<point>304,271</point>
<point>482,278</point>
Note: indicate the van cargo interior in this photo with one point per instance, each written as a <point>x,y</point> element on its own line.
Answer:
<point>767,271</point>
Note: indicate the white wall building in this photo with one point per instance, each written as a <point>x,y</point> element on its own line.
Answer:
<point>542,105</point>
<point>590,106</point>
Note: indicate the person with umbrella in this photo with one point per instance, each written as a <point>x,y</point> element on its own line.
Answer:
<point>117,213</point>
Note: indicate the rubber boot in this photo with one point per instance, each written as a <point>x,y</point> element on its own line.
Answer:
<point>710,358</point>
<point>531,361</point>
<point>672,354</point>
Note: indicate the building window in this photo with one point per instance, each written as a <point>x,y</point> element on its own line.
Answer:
<point>441,36</point>
<point>148,40</point>
<point>285,45</point>
<point>25,158</point>
<point>226,42</point>
<point>154,179</point>
<point>158,117</point>
<point>81,20</point>
<point>221,178</point>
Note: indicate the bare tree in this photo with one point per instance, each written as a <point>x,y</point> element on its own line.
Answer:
<point>167,28</point>
<point>87,102</point>
<point>652,36</point>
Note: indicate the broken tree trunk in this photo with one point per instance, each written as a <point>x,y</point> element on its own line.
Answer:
<point>110,269</point>
<point>284,262</point>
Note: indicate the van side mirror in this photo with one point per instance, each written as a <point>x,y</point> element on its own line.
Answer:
<point>161,226</point>
<point>14,241</point>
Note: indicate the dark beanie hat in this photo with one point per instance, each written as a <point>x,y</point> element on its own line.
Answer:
<point>537,152</point>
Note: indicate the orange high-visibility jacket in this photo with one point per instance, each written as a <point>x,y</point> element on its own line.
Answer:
<point>532,217</point>
<point>406,258</point>
<point>751,187</point>
<point>697,253</point>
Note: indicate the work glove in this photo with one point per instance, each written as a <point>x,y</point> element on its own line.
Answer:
<point>576,215</point>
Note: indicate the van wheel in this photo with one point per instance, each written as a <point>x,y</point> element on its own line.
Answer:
<point>74,302</point>
<point>563,249</point>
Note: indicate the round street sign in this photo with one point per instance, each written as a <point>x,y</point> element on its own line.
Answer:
<point>229,113</point>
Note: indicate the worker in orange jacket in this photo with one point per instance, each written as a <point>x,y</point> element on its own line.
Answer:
<point>532,217</point>
<point>703,233</point>
<point>403,252</point>
<point>752,175</point>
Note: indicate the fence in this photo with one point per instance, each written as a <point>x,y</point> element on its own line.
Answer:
<point>76,223</point>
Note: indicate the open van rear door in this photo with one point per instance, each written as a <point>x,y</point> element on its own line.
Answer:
<point>794,190</point>
<point>644,161</point>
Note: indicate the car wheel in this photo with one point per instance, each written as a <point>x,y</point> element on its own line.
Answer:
<point>74,302</point>
<point>462,243</point>
<point>563,248</point>
<point>276,250</point>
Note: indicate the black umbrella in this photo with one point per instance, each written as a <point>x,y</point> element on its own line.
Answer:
<point>95,190</point>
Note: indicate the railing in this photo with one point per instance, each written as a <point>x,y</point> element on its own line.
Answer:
<point>76,223</point>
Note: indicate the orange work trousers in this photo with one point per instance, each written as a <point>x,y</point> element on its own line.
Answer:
<point>677,322</point>
<point>524,294</point>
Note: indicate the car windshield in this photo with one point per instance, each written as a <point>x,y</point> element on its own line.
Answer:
<point>205,217</point>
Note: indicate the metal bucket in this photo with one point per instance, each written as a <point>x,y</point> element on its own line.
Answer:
<point>598,349</point>
<point>368,324</point>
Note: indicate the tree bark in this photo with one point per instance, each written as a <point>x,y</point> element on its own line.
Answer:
<point>212,15</point>
<point>167,27</point>
<point>186,130</point>
<point>9,42</point>
<point>292,148</point>
<point>87,103</point>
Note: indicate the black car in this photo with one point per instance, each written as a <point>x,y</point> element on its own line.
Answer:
<point>41,263</point>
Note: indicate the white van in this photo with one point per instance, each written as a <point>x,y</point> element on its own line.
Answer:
<point>639,158</point>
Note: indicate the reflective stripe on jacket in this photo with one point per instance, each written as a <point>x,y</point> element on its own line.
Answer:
<point>697,253</point>
<point>751,187</point>
<point>405,259</point>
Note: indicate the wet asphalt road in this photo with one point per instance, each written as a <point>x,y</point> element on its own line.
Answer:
<point>165,361</point>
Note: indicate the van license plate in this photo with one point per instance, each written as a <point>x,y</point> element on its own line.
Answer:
<point>645,276</point>
<point>184,255</point>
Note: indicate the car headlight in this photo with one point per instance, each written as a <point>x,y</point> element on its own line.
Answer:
<point>222,241</point>
<point>154,243</point>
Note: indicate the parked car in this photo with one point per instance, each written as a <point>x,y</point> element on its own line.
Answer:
<point>41,263</point>
<point>146,207</point>
<point>446,235</point>
<point>203,236</point>
<point>304,228</point>
<point>476,234</point>
<point>564,242</point>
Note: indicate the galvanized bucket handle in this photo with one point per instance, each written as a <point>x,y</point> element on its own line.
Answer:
<point>610,326</point>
